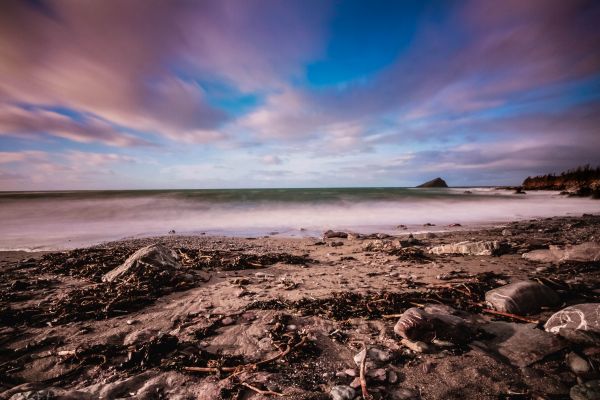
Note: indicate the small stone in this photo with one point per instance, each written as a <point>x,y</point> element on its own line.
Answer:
<point>350,372</point>
<point>506,232</point>
<point>130,322</point>
<point>227,321</point>
<point>378,374</point>
<point>417,347</point>
<point>355,383</point>
<point>577,364</point>
<point>586,391</point>
<point>392,377</point>
<point>342,392</point>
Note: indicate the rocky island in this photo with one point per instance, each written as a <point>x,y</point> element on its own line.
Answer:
<point>434,183</point>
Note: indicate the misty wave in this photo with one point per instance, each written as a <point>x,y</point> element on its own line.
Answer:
<point>70,220</point>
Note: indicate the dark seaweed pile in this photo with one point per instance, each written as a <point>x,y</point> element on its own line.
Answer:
<point>345,305</point>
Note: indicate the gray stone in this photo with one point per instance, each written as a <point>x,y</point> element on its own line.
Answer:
<point>578,323</point>
<point>375,357</point>
<point>588,251</point>
<point>417,346</point>
<point>523,297</point>
<point>378,374</point>
<point>577,364</point>
<point>153,257</point>
<point>342,392</point>
<point>521,344</point>
<point>434,322</point>
<point>482,248</point>
<point>586,391</point>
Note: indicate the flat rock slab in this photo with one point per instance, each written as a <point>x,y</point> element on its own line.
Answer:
<point>588,251</point>
<point>578,323</point>
<point>522,298</point>
<point>482,248</point>
<point>521,344</point>
<point>155,256</point>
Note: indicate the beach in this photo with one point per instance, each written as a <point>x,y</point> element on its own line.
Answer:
<point>237,317</point>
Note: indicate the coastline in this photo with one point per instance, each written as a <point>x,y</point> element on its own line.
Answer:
<point>241,298</point>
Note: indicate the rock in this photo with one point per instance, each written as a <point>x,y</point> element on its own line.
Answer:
<point>332,234</point>
<point>153,257</point>
<point>378,374</point>
<point>586,391</point>
<point>522,298</point>
<point>506,232</point>
<point>584,252</point>
<point>433,322</point>
<point>434,183</point>
<point>521,344</point>
<point>227,321</point>
<point>483,248</point>
<point>382,245</point>
<point>577,364</point>
<point>375,357</point>
<point>578,323</point>
<point>417,347</point>
<point>392,377</point>
<point>342,392</point>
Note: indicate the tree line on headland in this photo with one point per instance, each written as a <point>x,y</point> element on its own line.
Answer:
<point>581,181</point>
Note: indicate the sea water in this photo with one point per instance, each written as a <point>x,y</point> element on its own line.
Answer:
<point>60,220</point>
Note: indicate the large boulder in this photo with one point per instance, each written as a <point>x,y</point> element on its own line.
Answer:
<point>155,258</point>
<point>435,322</point>
<point>588,251</point>
<point>520,344</point>
<point>578,323</point>
<point>522,298</point>
<point>482,248</point>
<point>434,183</point>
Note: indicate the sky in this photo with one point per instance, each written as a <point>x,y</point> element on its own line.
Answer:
<point>111,94</point>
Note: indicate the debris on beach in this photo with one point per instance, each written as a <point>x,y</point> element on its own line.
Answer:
<point>233,319</point>
<point>482,248</point>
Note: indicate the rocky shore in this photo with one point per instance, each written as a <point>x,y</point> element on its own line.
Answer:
<point>511,312</point>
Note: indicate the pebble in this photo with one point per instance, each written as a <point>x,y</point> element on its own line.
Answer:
<point>378,374</point>
<point>392,377</point>
<point>342,392</point>
<point>586,391</point>
<point>227,321</point>
<point>577,364</point>
<point>350,372</point>
<point>130,322</point>
<point>417,347</point>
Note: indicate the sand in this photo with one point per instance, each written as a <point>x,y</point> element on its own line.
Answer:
<point>247,315</point>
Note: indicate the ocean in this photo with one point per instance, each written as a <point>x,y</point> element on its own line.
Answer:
<point>67,219</point>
